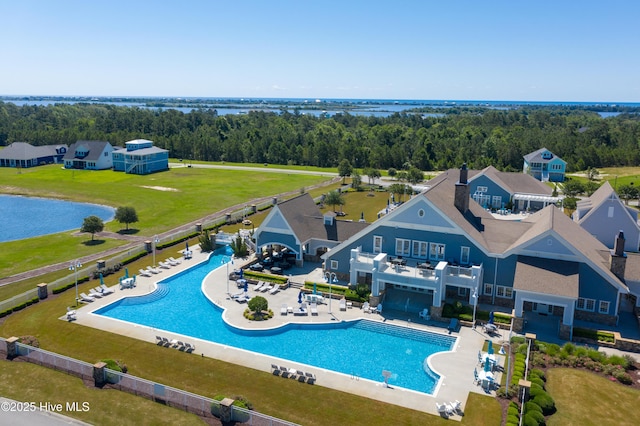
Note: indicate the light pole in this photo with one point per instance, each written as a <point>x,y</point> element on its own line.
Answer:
<point>74,267</point>
<point>475,304</point>
<point>328,278</point>
<point>155,242</point>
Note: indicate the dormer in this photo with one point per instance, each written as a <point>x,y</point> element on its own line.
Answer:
<point>546,155</point>
<point>81,151</point>
<point>329,218</point>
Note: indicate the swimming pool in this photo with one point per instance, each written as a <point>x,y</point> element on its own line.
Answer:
<point>359,348</point>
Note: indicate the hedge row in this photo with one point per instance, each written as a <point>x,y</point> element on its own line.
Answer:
<point>19,307</point>
<point>261,276</point>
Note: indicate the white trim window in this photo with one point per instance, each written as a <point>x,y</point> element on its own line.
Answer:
<point>504,292</point>
<point>420,249</point>
<point>436,251</point>
<point>403,247</point>
<point>334,265</point>
<point>496,201</point>
<point>603,307</point>
<point>585,304</point>
<point>488,289</point>
<point>464,255</point>
<point>462,292</point>
<point>482,189</point>
<point>377,244</point>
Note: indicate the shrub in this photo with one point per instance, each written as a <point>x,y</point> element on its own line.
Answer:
<point>545,402</point>
<point>515,405</point>
<point>597,356</point>
<point>623,377</point>
<point>19,307</point>
<point>552,349</point>
<point>530,406</point>
<point>517,340</point>
<point>513,419</point>
<point>513,411</point>
<point>619,360</point>
<point>533,419</point>
<point>29,340</point>
<point>536,372</point>
<point>568,348</point>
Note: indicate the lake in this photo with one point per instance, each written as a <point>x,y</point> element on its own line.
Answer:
<point>27,217</point>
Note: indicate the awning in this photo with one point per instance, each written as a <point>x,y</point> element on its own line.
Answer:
<point>537,197</point>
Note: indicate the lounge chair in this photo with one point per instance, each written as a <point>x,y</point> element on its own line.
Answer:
<point>259,286</point>
<point>457,406</point>
<point>94,293</point>
<point>189,347</point>
<point>275,370</point>
<point>366,307</point>
<point>171,262</point>
<point>283,309</point>
<point>159,340</point>
<point>164,265</point>
<point>106,290</point>
<point>86,298</point>
<point>179,345</point>
<point>284,372</point>
<point>314,309</point>
<point>266,288</point>
<point>343,304</point>
<point>71,314</point>
<point>166,342</point>
<point>153,270</point>
<point>379,308</point>
<point>177,261</point>
<point>301,377</point>
<point>311,378</point>
<point>444,409</point>
<point>145,273</point>
<point>275,289</point>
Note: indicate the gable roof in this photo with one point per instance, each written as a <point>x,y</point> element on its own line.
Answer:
<point>514,182</point>
<point>536,156</point>
<point>547,276</point>
<point>588,206</point>
<point>96,148</point>
<point>307,221</point>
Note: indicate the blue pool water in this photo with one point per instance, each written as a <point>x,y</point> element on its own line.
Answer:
<point>27,217</point>
<point>360,348</point>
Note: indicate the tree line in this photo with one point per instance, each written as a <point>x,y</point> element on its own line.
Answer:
<point>477,136</point>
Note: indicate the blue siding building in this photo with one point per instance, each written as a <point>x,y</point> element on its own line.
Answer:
<point>140,157</point>
<point>442,246</point>
<point>545,166</point>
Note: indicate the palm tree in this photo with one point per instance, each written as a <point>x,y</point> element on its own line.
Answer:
<point>334,198</point>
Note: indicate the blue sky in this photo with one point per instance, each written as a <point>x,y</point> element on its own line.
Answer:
<point>539,50</point>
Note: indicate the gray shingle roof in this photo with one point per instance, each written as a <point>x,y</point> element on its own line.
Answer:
<point>95,148</point>
<point>26,151</point>
<point>547,276</point>
<point>307,221</point>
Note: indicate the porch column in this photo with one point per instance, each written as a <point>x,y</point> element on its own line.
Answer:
<point>375,285</point>
<point>519,305</point>
<point>569,311</point>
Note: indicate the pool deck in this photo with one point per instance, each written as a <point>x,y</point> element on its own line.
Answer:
<point>455,368</point>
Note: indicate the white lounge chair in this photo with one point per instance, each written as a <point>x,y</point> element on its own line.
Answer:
<point>259,286</point>
<point>164,265</point>
<point>444,409</point>
<point>283,309</point>
<point>177,261</point>
<point>457,406</point>
<point>275,289</point>
<point>94,293</point>
<point>343,304</point>
<point>170,262</point>
<point>86,298</point>
<point>266,288</point>
<point>145,273</point>
<point>106,290</point>
<point>314,309</point>
<point>71,314</point>
<point>366,307</point>
<point>153,270</point>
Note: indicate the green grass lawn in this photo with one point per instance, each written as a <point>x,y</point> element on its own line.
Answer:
<point>583,398</point>
<point>163,201</point>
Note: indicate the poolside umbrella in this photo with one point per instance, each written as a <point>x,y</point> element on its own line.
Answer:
<point>241,271</point>
<point>101,279</point>
<point>490,348</point>
<point>487,366</point>
<point>126,272</point>
<point>186,247</point>
<point>300,297</point>
<point>314,288</point>
<point>246,286</point>
<point>491,317</point>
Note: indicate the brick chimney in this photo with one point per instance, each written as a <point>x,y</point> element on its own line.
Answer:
<point>617,257</point>
<point>461,199</point>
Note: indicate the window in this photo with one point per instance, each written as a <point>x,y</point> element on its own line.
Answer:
<point>334,265</point>
<point>436,251</point>
<point>496,201</point>
<point>482,189</point>
<point>585,304</point>
<point>464,255</point>
<point>420,249</point>
<point>604,307</point>
<point>610,212</point>
<point>377,244</point>
<point>403,247</point>
<point>488,289</point>
<point>421,212</point>
<point>462,292</point>
<point>504,292</point>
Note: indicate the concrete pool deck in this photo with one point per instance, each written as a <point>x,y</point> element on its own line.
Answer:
<point>455,367</point>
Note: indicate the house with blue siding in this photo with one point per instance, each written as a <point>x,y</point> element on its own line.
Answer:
<point>518,192</point>
<point>299,226</point>
<point>22,154</point>
<point>140,157</point>
<point>603,215</point>
<point>544,166</point>
<point>441,246</point>
<point>89,155</point>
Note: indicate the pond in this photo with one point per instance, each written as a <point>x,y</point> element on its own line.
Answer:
<point>27,217</point>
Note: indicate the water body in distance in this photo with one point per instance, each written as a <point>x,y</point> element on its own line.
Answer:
<point>27,217</point>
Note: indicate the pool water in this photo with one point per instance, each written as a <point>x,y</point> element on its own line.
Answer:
<point>359,348</point>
